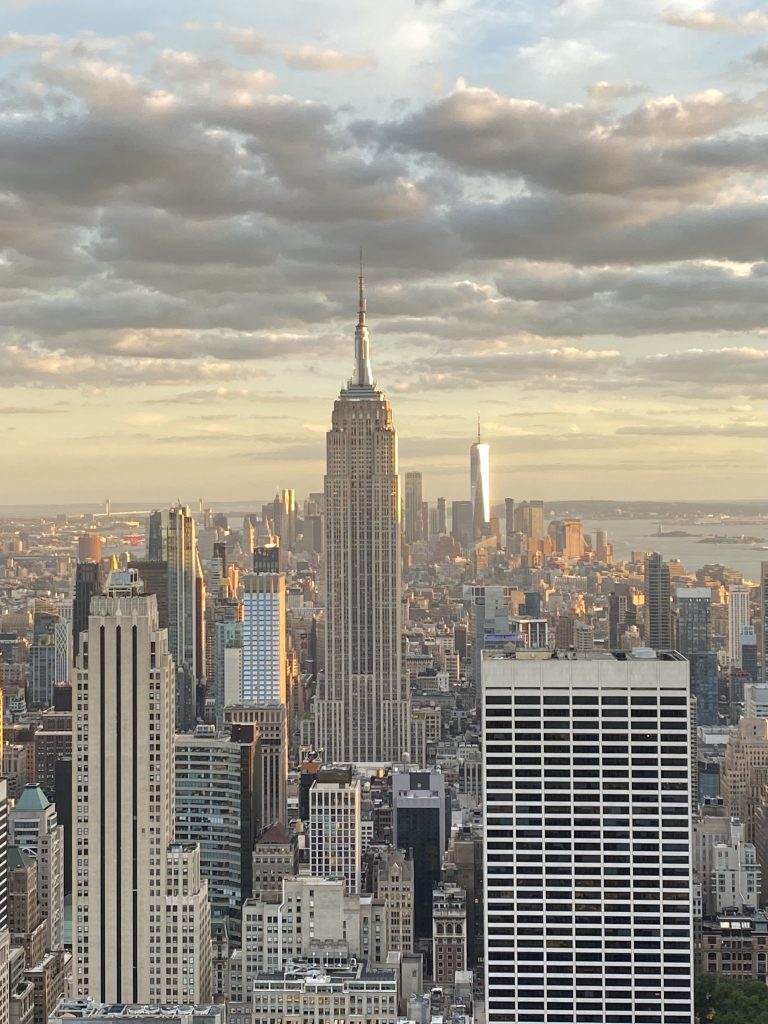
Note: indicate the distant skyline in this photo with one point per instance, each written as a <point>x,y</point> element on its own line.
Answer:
<point>562,210</point>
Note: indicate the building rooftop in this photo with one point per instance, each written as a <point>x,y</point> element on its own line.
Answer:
<point>32,799</point>
<point>637,654</point>
<point>276,834</point>
<point>90,1009</point>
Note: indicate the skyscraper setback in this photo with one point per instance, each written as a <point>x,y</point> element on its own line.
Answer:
<point>362,709</point>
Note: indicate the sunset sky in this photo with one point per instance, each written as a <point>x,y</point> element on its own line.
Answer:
<point>562,205</point>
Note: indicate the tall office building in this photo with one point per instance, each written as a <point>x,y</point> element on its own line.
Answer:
<point>480,486</point>
<point>587,784</point>
<point>123,795</point>
<point>414,525</point>
<point>461,522</point>
<point>509,529</point>
<point>335,828</point>
<point>285,518</point>
<point>442,517</point>
<point>5,935</point>
<point>529,519</point>
<point>421,822</point>
<point>762,642</point>
<point>172,540</point>
<point>264,638</point>
<point>272,722</point>
<point>33,826</point>
<point>738,617</point>
<point>88,583</point>
<point>658,607</point>
<point>749,652</point>
<point>694,641</point>
<point>218,805</point>
<point>362,704</point>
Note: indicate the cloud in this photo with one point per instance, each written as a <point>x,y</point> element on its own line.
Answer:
<point>710,21</point>
<point>572,149</point>
<point>607,92</point>
<point>304,58</point>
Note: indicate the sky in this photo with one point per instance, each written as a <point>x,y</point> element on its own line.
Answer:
<point>562,206</point>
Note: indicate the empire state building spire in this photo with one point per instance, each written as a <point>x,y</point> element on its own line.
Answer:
<point>363,375</point>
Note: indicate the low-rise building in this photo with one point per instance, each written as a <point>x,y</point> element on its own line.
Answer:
<point>349,994</point>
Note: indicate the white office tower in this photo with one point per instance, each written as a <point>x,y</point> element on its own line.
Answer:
<point>264,638</point>
<point>362,706</point>
<point>33,826</point>
<point>480,486</point>
<point>5,936</point>
<point>334,832</point>
<point>588,851</point>
<point>123,800</point>
<point>738,617</point>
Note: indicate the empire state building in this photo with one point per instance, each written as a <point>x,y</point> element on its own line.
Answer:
<point>363,707</point>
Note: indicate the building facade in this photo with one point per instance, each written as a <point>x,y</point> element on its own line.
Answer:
<point>587,785</point>
<point>264,638</point>
<point>362,711</point>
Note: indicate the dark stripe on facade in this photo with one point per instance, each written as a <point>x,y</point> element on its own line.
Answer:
<point>102,810</point>
<point>134,805</point>
<point>118,815</point>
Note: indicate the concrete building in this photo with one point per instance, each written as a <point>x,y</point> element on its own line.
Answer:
<point>5,935</point>
<point>744,772</point>
<point>107,1013</point>
<point>33,826</point>
<point>123,792</point>
<point>449,933</point>
<point>272,723</point>
<point>264,639</point>
<point>596,821</point>
<point>362,710</point>
<point>275,857</point>
<point>186,962</point>
<point>334,830</point>
<point>392,881</point>
<point>735,873</point>
<point>349,993</point>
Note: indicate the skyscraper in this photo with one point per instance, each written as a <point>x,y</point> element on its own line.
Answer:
<point>34,826</point>
<point>414,526</point>
<point>658,607</point>
<point>738,617</point>
<point>587,784</point>
<point>480,486</point>
<point>88,583</point>
<point>172,539</point>
<point>694,641</point>
<point>762,641</point>
<point>264,638</point>
<point>362,706</point>
<point>509,519</point>
<point>123,794</point>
